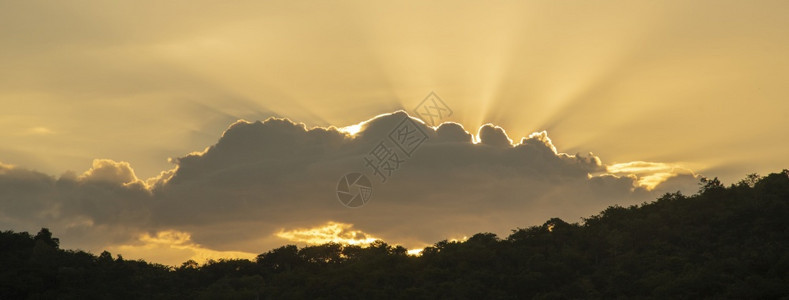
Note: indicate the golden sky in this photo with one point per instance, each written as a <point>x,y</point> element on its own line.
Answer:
<point>690,85</point>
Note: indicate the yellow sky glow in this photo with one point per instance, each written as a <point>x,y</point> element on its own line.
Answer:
<point>172,248</point>
<point>694,81</point>
<point>332,232</point>
<point>656,89</point>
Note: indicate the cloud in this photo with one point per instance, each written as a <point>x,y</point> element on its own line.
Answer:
<point>649,174</point>
<point>493,136</point>
<point>106,170</point>
<point>267,183</point>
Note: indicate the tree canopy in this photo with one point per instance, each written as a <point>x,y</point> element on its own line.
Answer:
<point>730,242</point>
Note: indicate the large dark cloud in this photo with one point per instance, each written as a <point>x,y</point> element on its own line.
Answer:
<point>261,177</point>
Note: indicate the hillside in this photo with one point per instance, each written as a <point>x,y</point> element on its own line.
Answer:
<point>721,242</point>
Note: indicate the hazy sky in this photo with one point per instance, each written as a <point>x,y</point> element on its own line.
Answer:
<point>652,88</point>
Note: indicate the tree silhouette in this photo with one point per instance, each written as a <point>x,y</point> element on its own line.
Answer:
<point>723,242</point>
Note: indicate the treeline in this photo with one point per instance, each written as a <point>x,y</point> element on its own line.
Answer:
<point>723,242</point>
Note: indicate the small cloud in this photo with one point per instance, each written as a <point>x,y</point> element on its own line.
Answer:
<point>542,137</point>
<point>492,135</point>
<point>108,170</point>
<point>649,174</point>
<point>39,130</point>
<point>161,179</point>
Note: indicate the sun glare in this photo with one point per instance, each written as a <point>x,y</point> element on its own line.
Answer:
<point>415,252</point>
<point>173,247</point>
<point>649,174</point>
<point>352,129</point>
<point>331,232</point>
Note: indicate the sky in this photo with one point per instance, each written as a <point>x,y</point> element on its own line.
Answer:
<point>196,129</point>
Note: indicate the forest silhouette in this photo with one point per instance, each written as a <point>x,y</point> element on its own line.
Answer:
<point>722,242</point>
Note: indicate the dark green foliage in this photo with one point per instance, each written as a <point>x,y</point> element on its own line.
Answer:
<point>724,242</point>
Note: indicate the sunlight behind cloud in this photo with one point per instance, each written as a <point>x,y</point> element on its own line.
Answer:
<point>649,174</point>
<point>334,232</point>
<point>352,129</point>
<point>172,247</point>
<point>331,232</point>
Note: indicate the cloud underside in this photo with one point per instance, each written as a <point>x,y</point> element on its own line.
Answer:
<point>264,184</point>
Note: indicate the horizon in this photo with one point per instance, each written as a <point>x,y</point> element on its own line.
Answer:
<point>124,124</point>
